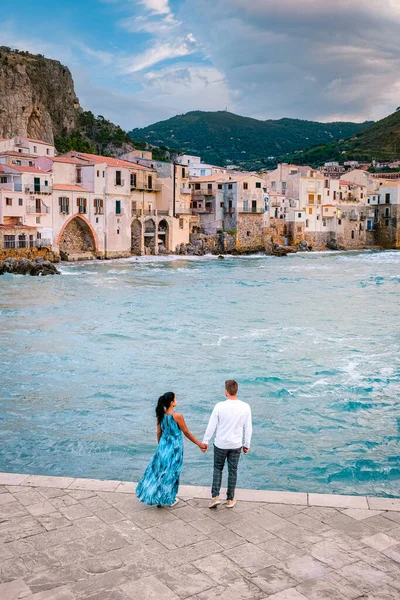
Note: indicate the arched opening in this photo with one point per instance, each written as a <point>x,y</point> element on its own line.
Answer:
<point>149,236</point>
<point>77,241</point>
<point>163,237</point>
<point>136,237</point>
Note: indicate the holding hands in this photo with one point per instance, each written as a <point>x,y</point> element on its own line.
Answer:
<point>203,447</point>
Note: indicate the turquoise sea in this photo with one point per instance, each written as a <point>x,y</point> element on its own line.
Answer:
<point>313,339</point>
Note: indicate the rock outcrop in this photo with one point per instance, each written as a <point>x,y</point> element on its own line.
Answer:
<point>37,96</point>
<point>28,267</point>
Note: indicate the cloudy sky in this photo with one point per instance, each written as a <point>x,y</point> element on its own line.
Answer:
<point>140,61</point>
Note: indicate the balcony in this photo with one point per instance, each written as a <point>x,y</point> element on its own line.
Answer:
<point>185,190</point>
<point>204,192</point>
<point>25,243</point>
<point>144,187</point>
<point>312,189</point>
<point>38,189</point>
<point>119,182</point>
<point>253,210</point>
<point>353,216</point>
<point>6,186</point>
<point>203,209</point>
<point>38,210</point>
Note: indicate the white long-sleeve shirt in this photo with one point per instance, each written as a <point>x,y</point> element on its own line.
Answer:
<point>229,418</point>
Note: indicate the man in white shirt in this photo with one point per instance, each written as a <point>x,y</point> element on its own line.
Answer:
<point>228,419</point>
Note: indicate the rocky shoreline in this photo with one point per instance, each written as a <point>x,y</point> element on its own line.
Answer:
<point>36,267</point>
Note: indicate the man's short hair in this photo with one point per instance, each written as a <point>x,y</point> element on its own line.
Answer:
<point>231,387</point>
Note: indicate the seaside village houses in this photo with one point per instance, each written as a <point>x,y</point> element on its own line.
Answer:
<point>80,206</point>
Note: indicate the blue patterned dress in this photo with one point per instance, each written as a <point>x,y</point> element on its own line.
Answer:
<point>159,484</point>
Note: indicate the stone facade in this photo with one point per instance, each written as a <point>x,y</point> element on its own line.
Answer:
<point>76,239</point>
<point>387,231</point>
<point>250,232</point>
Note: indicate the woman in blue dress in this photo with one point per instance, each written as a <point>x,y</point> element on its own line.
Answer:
<point>159,485</point>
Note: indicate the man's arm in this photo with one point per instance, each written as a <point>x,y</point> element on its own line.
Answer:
<point>248,430</point>
<point>212,425</point>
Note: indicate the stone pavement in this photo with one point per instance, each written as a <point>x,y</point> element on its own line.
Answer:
<point>66,539</point>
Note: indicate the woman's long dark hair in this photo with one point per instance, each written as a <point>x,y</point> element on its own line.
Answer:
<point>163,404</point>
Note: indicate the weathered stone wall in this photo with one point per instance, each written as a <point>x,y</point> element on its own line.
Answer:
<point>295,233</point>
<point>387,230</point>
<point>250,232</point>
<point>351,234</point>
<point>317,239</point>
<point>77,238</point>
<point>136,238</point>
<point>276,232</point>
<point>29,253</point>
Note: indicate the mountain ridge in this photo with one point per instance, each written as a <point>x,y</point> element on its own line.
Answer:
<point>222,137</point>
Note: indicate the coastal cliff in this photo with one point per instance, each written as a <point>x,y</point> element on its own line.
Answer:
<point>37,96</point>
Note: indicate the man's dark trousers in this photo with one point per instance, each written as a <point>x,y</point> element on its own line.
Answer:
<point>220,456</point>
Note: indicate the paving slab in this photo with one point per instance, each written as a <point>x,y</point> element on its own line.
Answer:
<point>70,539</point>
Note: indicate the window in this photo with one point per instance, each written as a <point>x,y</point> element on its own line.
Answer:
<point>202,172</point>
<point>30,163</point>
<point>258,184</point>
<point>22,241</point>
<point>299,215</point>
<point>283,187</point>
<point>118,178</point>
<point>319,198</point>
<point>248,234</point>
<point>39,235</point>
<point>34,149</point>
<point>369,201</point>
<point>221,205</point>
<point>245,185</point>
<point>78,175</point>
<point>369,225</point>
<point>334,195</point>
<point>118,231</point>
<point>3,179</point>
<point>150,182</point>
<point>38,222</point>
<point>133,180</point>
<point>194,205</point>
<point>230,206</point>
<point>20,202</point>
<point>8,201</point>
<point>82,205</point>
<point>47,151</point>
<point>387,198</point>
<point>310,198</point>
<point>63,202</point>
<point>209,186</point>
<point>220,186</point>
<point>387,212</point>
<point>273,185</point>
<point>230,186</point>
<point>326,183</point>
<point>307,223</point>
<point>196,186</point>
<point>310,211</point>
<point>9,241</point>
<point>339,221</point>
<point>98,206</point>
<point>245,205</point>
<point>324,222</point>
<point>341,195</point>
<point>387,222</point>
<point>104,173</point>
<point>97,219</point>
<point>327,192</point>
<point>317,217</point>
<point>98,173</point>
<point>181,223</point>
<point>18,163</point>
<point>183,173</point>
<point>118,207</point>
<point>254,206</point>
<point>362,195</point>
<point>352,235</point>
<point>379,199</point>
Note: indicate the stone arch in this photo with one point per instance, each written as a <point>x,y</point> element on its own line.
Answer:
<point>136,237</point>
<point>77,239</point>
<point>150,234</point>
<point>163,235</point>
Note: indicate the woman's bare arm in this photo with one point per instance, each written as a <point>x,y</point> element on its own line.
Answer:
<point>184,428</point>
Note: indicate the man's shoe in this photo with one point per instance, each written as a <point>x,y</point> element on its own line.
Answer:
<point>214,502</point>
<point>230,503</point>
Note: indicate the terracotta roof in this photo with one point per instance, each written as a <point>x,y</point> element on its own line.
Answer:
<point>29,170</point>
<point>330,205</point>
<point>66,159</point>
<point>211,179</point>
<point>69,187</point>
<point>19,154</point>
<point>344,182</point>
<point>35,141</point>
<point>110,162</point>
<point>17,226</point>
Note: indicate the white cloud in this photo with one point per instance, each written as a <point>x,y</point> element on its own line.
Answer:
<point>160,52</point>
<point>107,58</point>
<point>159,7</point>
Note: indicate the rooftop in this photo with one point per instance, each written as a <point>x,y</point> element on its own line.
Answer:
<point>66,187</point>
<point>109,161</point>
<point>28,170</point>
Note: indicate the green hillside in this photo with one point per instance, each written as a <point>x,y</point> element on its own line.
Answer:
<point>380,141</point>
<point>223,137</point>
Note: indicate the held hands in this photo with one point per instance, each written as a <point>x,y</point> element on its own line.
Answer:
<point>203,447</point>
<point>246,450</point>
